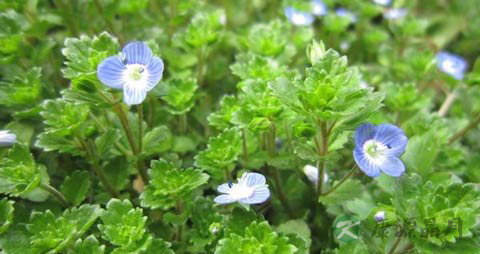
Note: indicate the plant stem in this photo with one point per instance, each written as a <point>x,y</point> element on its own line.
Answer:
<point>108,22</point>
<point>395,245</point>
<point>140,126</point>
<point>281,194</point>
<point>57,194</point>
<point>463,131</point>
<point>447,103</point>
<point>352,171</point>
<point>90,149</point>
<point>322,151</point>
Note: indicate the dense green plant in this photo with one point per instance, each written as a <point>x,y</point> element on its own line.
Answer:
<point>238,126</point>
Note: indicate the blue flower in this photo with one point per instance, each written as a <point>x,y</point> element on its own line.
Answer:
<point>312,174</point>
<point>136,71</point>
<point>299,18</point>
<point>7,139</point>
<point>378,148</point>
<point>452,64</point>
<point>347,14</point>
<point>319,8</point>
<point>379,216</point>
<point>382,2</point>
<point>251,188</point>
<point>396,13</point>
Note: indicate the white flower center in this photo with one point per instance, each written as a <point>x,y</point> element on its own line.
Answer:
<point>375,151</point>
<point>136,75</point>
<point>240,191</point>
<point>449,66</point>
<point>299,19</point>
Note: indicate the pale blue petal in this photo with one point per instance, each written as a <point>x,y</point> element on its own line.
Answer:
<point>137,53</point>
<point>299,18</point>
<point>393,137</point>
<point>260,195</point>
<point>363,133</point>
<point>155,72</point>
<point>133,96</point>
<point>459,65</point>
<point>255,179</point>
<point>368,168</point>
<point>223,188</point>
<point>110,72</point>
<point>319,8</point>
<point>393,166</point>
<point>224,199</point>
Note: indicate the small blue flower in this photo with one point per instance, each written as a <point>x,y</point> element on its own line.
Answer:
<point>347,14</point>
<point>136,71</point>
<point>452,64</point>
<point>319,8</point>
<point>7,139</point>
<point>251,188</point>
<point>396,13</point>
<point>382,2</point>
<point>379,216</point>
<point>299,18</point>
<point>378,148</point>
<point>312,174</point>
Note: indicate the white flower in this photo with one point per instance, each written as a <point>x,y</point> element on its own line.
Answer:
<point>7,139</point>
<point>379,216</point>
<point>251,188</point>
<point>382,2</point>
<point>319,8</point>
<point>396,13</point>
<point>312,174</point>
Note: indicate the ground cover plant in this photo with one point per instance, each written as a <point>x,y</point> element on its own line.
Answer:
<point>324,126</point>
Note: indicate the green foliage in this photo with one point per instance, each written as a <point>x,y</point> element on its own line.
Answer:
<point>75,188</point>
<point>180,95</point>
<point>169,184</point>
<point>88,246</point>
<point>52,234</point>
<point>6,214</point>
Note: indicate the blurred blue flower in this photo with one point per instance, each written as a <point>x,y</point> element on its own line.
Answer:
<point>379,216</point>
<point>312,174</point>
<point>378,148</point>
<point>347,14</point>
<point>382,2</point>
<point>251,188</point>
<point>396,13</point>
<point>299,18</point>
<point>319,8</point>
<point>136,71</point>
<point>7,139</point>
<point>452,64</point>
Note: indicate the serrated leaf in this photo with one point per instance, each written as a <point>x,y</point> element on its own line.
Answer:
<point>6,214</point>
<point>168,184</point>
<point>76,187</point>
<point>51,234</point>
<point>157,140</point>
<point>222,151</point>
<point>180,95</point>
<point>122,225</point>
<point>88,246</point>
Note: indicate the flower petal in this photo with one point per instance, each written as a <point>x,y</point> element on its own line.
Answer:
<point>155,72</point>
<point>224,199</point>
<point>137,53</point>
<point>253,179</point>
<point>110,72</point>
<point>223,188</point>
<point>393,137</point>
<point>393,166</point>
<point>260,195</point>
<point>363,133</point>
<point>367,167</point>
<point>133,95</point>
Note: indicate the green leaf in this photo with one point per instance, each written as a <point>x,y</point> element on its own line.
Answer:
<point>76,187</point>
<point>88,246</point>
<point>180,95</point>
<point>22,91</point>
<point>168,184</point>
<point>267,39</point>
<point>16,240</point>
<point>6,214</point>
<point>222,151</point>
<point>157,141</point>
<point>203,218</point>
<point>222,118</point>
<point>258,238</point>
<point>122,225</point>
<point>204,28</point>
<point>19,174</point>
<point>421,152</point>
<point>159,246</point>
<point>51,234</point>
<point>349,190</point>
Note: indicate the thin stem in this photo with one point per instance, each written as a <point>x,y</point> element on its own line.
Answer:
<point>467,128</point>
<point>180,227</point>
<point>447,103</point>
<point>321,167</point>
<point>55,193</point>
<point>108,22</point>
<point>395,245</point>
<point>140,126</point>
<point>90,149</point>
<point>281,194</point>
<point>126,127</point>
<point>244,146</point>
<point>322,151</point>
<point>351,173</point>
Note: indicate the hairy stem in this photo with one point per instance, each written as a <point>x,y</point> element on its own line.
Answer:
<point>351,173</point>
<point>473,123</point>
<point>108,22</point>
<point>140,126</point>
<point>55,193</point>
<point>395,245</point>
